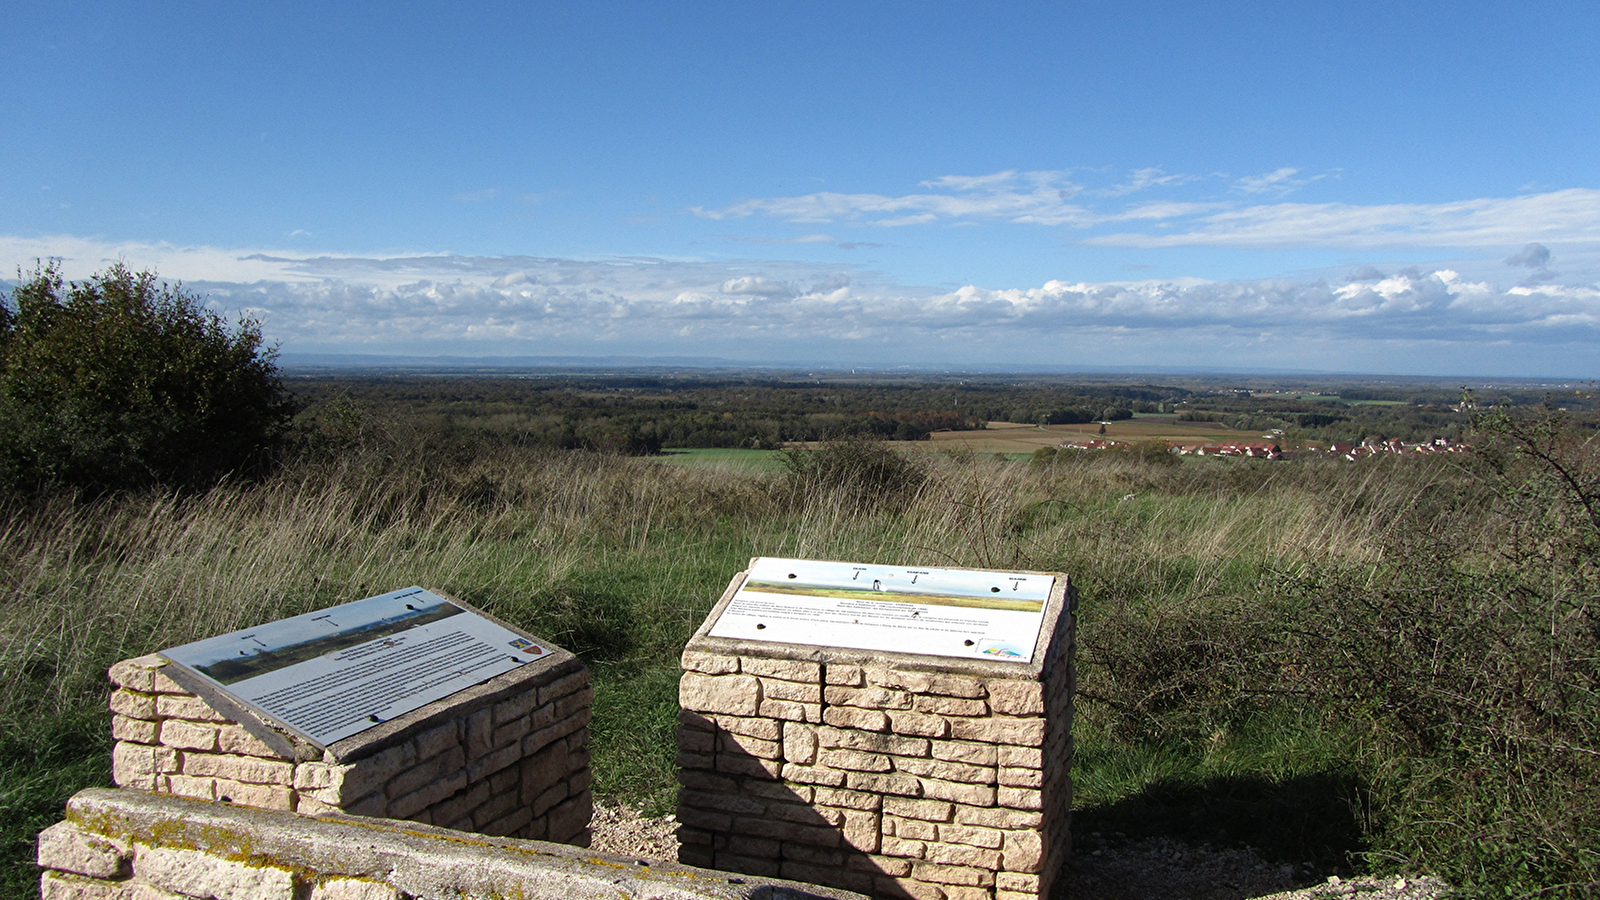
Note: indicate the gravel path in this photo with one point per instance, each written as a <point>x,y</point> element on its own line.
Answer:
<point>1150,869</point>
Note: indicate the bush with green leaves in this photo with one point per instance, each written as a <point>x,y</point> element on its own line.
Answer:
<point>121,381</point>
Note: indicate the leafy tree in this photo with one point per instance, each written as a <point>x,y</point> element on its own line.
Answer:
<point>119,382</point>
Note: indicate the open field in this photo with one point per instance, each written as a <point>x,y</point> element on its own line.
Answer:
<point>1012,437</point>
<point>1332,663</point>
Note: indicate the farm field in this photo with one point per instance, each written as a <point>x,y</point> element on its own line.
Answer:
<point>1013,437</point>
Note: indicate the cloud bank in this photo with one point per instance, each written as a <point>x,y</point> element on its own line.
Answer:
<point>1414,320</point>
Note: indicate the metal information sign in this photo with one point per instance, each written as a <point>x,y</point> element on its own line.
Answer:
<point>339,671</point>
<point>933,611</point>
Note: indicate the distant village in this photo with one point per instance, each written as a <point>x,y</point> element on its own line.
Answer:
<point>1270,447</point>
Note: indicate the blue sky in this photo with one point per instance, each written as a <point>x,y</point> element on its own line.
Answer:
<point>1388,188</point>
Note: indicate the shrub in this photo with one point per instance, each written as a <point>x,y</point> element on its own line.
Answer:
<point>861,468</point>
<point>118,382</point>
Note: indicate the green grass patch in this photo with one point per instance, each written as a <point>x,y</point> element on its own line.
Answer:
<point>754,461</point>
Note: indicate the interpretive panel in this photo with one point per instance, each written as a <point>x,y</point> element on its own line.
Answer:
<point>934,611</point>
<point>339,671</point>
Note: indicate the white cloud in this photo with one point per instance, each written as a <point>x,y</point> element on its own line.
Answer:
<point>1280,181</point>
<point>758,310</point>
<point>1566,215</point>
<point>1049,198</point>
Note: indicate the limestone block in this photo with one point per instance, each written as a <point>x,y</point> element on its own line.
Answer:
<point>570,820</point>
<point>710,663</point>
<point>353,889</point>
<point>514,708</point>
<point>1024,851</point>
<point>235,739</point>
<point>890,783</point>
<point>437,740</point>
<point>686,760</point>
<point>191,787</point>
<point>136,674</point>
<point>998,817</point>
<point>799,743</point>
<point>480,733</point>
<point>729,742</point>
<point>764,729</point>
<point>872,742</point>
<point>1016,698</point>
<point>186,735</point>
<point>563,686</point>
<point>260,796</point>
<point>738,695</point>
<point>142,759</point>
<point>962,855</point>
<point>999,730</point>
<point>867,697</point>
<point>140,731</point>
<point>959,875</point>
<point>773,689</point>
<point>65,848</point>
<point>967,752</point>
<point>949,706</point>
<point>705,781</point>
<point>846,799</point>
<point>789,711</point>
<point>746,864</point>
<point>1028,778</point>
<point>925,683</point>
<point>732,764</point>
<point>888,886</point>
<point>919,724</point>
<point>582,698</point>
<point>1020,798</point>
<point>1016,881</point>
<point>198,874</point>
<point>856,760</point>
<point>927,810</point>
<point>863,719</point>
<point>884,865</point>
<point>805,814</point>
<point>1021,757</point>
<point>988,838</point>
<point>785,669</point>
<point>862,830</point>
<point>186,706</point>
<point>62,886</point>
<point>911,829</point>
<point>947,771</point>
<point>958,792</point>
<point>812,775</point>
<point>133,704</point>
<point>548,798</point>
<point>901,847</point>
<point>239,768</point>
<point>821,836</point>
<point>848,676</point>
<point>957,892</point>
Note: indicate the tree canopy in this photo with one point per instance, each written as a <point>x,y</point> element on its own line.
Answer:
<point>121,381</point>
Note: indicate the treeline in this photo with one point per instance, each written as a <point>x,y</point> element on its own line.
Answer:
<point>643,415</point>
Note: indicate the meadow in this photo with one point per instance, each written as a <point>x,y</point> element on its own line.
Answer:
<point>1386,666</point>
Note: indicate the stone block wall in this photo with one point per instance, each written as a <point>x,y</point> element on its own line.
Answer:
<point>130,845</point>
<point>885,773</point>
<point>506,757</point>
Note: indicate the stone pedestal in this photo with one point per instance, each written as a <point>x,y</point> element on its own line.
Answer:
<point>891,774</point>
<point>508,757</point>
